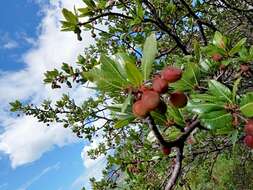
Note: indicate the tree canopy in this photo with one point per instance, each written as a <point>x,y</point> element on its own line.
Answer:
<point>174,92</point>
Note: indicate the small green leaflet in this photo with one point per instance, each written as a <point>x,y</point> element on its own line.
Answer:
<point>219,40</point>
<point>90,3</point>
<point>149,53</point>
<point>69,16</point>
<point>246,105</point>
<point>175,115</point>
<point>123,122</point>
<point>159,118</point>
<point>237,47</point>
<point>189,79</point>
<point>235,88</point>
<point>139,9</point>
<point>220,90</point>
<point>126,103</point>
<point>127,67</point>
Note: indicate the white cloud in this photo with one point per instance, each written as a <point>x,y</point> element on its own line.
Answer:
<point>7,42</point>
<point>24,139</point>
<point>94,171</point>
<point>87,161</point>
<point>41,174</point>
<point>11,44</point>
<point>93,167</point>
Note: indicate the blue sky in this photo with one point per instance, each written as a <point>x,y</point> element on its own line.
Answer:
<point>33,156</point>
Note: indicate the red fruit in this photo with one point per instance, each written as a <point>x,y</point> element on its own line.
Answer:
<point>178,99</point>
<point>139,109</point>
<point>171,74</point>
<point>151,99</point>
<point>166,150</point>
<point>160,85</point>
<point>248,140</point>
<point>249,127</point>
<point>144,88</point>
<point>217,57</point>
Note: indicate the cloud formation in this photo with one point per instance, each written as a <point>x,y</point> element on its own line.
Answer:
<point>23,139</point>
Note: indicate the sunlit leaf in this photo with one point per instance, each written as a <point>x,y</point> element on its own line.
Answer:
<point>149,53</point>
<point>220,90</point>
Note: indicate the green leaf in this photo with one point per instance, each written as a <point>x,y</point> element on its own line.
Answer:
<point>205,98</point>
<point>90,3</point>
<point>159,118</point>
<point>85,12</point>
<point>201,108</point>
<point>67,68</point>
<point>126,103</point>
<point>246,105</point>
<point>220,90</point>
<point>189,78</point>
<point>237,47</point>
<point>15,106</point>
<point>205,64</point>
<point>133,74</point>
<point>127,67</point>
<point>139,9</point>
<point>175,115</point>
<point>217,120</point>
<point>219,40</point>
<point>111,71</point>
<point>124,122</point>
<point>149,53</point>
<point>115,107</point>
<point>172,133</point>
<point>235,88</point>
<point>69,16</point>
<point>51,75</point>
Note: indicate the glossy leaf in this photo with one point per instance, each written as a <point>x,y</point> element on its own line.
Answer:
<point>205,98</point>
<point>219,40</point>
<point>200,108</point>
<point>219,90</point>
<point>189,78</point>
<point>247,109</point>
<point>133,74</point>
<point>149,53</point>
<point>217,120</point>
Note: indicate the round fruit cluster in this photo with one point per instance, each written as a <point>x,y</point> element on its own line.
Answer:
<point>149,98</point>
<point>248,140</point>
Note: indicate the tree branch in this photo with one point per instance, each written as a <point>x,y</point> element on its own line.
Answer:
<point>151,123</point>
<point>176,170</point>
<point>163,27</point>
<point>201,29</point>
<point>175,143</point>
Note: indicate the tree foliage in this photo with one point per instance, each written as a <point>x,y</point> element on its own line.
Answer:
<point>210,41</point>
